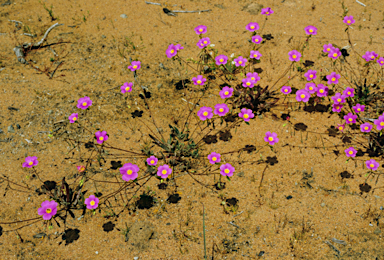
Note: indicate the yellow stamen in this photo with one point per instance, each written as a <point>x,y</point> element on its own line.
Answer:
<point>226,171</point>
<point>226,93</point>
<point>302,96</point>
<point>221,110</point>
<point>135,66</point>
<point>205,113</point>
<point>101,138</point>
<point>92,203</point>
<point>74,119</point>
<point>270,138</point>
<point>48,211</point>
<point>152,162</point>
<point>214,158</point>
<point>164,171</point>
<point>129,172</point>
<point>246,116</point>
<point>221,60</point>
<point>371,165</point>
<point>84,104</point>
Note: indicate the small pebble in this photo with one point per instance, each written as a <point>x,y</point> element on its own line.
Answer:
<point>18,126</point>
<point>136,257</point>
<point>124,16</point>
<point>11,129</point>
<point>97,252</point>
<point>381,207</point>
<point>323,204</point>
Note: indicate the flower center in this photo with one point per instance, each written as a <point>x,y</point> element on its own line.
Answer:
<point>358,109</point>
<point>205,42</point>
<point>246,116</point>
<point>200,30</point>
<point>333,79</point>
<point>252,78</point>
<point>152,162</point>
<point>172,51</point>
<point>335,55</point>
<point>366,128</point>
<point>205,113</point>
<point>221,60</point>
<point>349,93</point>
<point>328,49</point>
<point>338,100</point>
<point>257,40</point>
<point>129,172</point>
<point>311,76</point>
<point>92,203</point>
<point>240,62</point>
<point>350,119</point>
<point>302,96</point>
<point>127,88</point>
<point>337,107</point>
<point>214,158</point>
<point>226,171</point>
<point>134,66</point>
<point>226,93</point>
<point>340,128</point>
<point>84,104</point>
<point>310,88</point>
<point>199,81</point>
<point>48,211</point>
<point>248,83</point>
<point>164,171</point>
<point>101,138</point>
<point>348,21</point>
<point>382,123</point>
<point>255,55</point>
<point>372,57</point>
<point>30,163</point>
<point>267,12</point>
<point>74,119</point>
<point>252,27</point>
<point>294,56</point>
<point>371,165</point>
<point>350,152</point>
<point>382,62</point>
<point>270,138</point>
<point>221,110</point>
<point>321,91</point>
<point>285,90</point>
<point>310,30</point>
<point>201,44</point>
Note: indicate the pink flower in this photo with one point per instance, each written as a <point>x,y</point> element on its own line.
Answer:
<point>255,55</point>
<point>271,138</point>
<point>221,109</point>
<point>227,170</point>
<point>101,136</point>
<point>171,51</point>
<point>48,209</point>
<point>253,76</point>
<point>349,92</point>
<point>226,92</point>
<point>205,113</point>
<point>129,171</point>
<point>310,74</point>
<point>257,39</point>
<point>370,55</point>
<point>327,48</point>
<point>294,55</point>
<point>179,47</point>
<point>221,60</point>
<point>311,88</point>
<point>379,123</point>
<point>163,171</point>
<point>135,65</point>
<point>322,91</point>
<point>333,78</point>
<point>199,80</point>
<point>80,168</point>
<point>341,127</point>
<point>247,83</point>
<point>240,61</point>
<point>246,114</point>
<point>358,108</point>
<point>152,160</point>
<point>214,158</point>
<point>286,90</point>
<point>338,98</point>
<point>350,118</point>
<point>334,53</point>
<point>337,107</point>
<point>302,95</point>
<point>350,152</point>
<point>380,61</point>
<point>92,202</point>
<point>372,164</point>
<point>201,29</point>
<point>126,87</point>
<point>366,127</point>
<point>252,27</point>
<point>349,20</point>
<point>267,11</point>
<point>204,42</point>
<point>310,30</point>
<point>72,118</point>
<point>30,161</point>
<point>84,102</point>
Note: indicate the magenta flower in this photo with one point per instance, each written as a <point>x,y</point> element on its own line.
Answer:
<point>349,92</point>
<point>310,30</point>
<point>327,48</point>
<point>366,127</point>
<point>341,127</point>
<point>101,136</point>
<point>72,118</point>
<point>302,95</point>
<point>333,78</point>
<point>372,164</point>
<point>322,91</point>
<point>311,88</point>
<point>214,158</point>
<point>271,138</point>
<point>152,160</point>
<point>349,20</point>
<point>201,29</point>
<point>334,53</point>
<point>226,92</point>
<point>204,42</point>
<point>135,65</point>
<point>310,74</point>
<point>370,55</point>
<point>221,109</point>
<point>92,202</point>
<point>380,61</point>
<point>338,98</point>
<point>80,168</point>
<point>30,161</point>
<point>84,102</point>
<point>267,11</point>
<point>48,209</point>
<point>178,47</point>
<point>199,80</point>
<point>163,171</point>
<point>350,152</point>
<point>240,61</point>
<point>246,114</point>
<point>358,108</point>
<point>221,60</point>
<point>255,55</point>
<point>294,55</point>
<point>379,123</point>
<point>126,87</point>
<point>205,113</point>
<point>253,76</point>
<point>337,107</point>
<point>350,118</point>
<point>129,171</point>
<point>247,83</point>
<point>227,170</point>
<point>257,39</point>
<point>252,27</point>
<point>286,90</point>
<point>171,51</point>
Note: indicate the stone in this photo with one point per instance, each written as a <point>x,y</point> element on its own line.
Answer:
<point>11,129</point>
<point>124,16</point>
<point>253,8</point>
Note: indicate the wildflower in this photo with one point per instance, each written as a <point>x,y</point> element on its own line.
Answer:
<point>310,74</point>
<point>129,171</point>
<point>199,80</point>
<point>101,136</point>
<point>366,127</point>
<point>246,114</point>
<point>350,118</point>
<point>327,47</point>
<point>334,53</point>
<point>349,20</point>
<point>221,60</point>
<point>252,27</point>
<point>271,138</point>
<point>214,158</point>
<point>333,78</point>
<point>370,55</point>
<point>337,107</point>
<point>163,171</point>
<point>379,123</point>
<point>380,61</point>
<point>92,202</point>
<point>302,95</point>
<point>84,102</point>
<point>322,91</point>
<point>135,65</point>
<point>72,118</point>
<point>350,152</point>
<point>221,109</point>
<point>267,11</point>
<point>171,51</point>
<point>48,209</point>
<point>201,29</point>
<point>338,98</point>
<point>255,55</point>
<point>240,61</point>
<point>227,170</point>
<point>205,113</point>
<point>247,83</point>
<point>179,47</point>
<point>30,161</point>
<point>311,87</point>
<point>286,90</point>
<point>257,39</point>
<point>226,92</point>
<point>310,30</point>
<point>253,76</point>
<point>80,168</point>
<point>341,127</point>
<point>372,164</point>
<point>349,92</point>
<point>294,55</point>
<point>204,42</point>
<point>152,160</point>
<point>358,108</point>
<point>126,87</point>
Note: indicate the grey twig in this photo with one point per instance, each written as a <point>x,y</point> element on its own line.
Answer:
<point>332,247</point>
<point>192,11</point>
<point>233,224</point>
<point>357,1</point>
<point>30,35</point>
<point>341,242</point>
<point>238,214</point>
<point>53,73</point>
<point>150,3</point>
